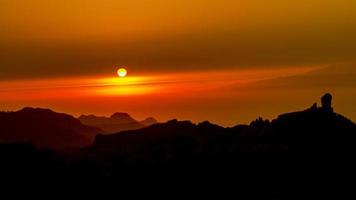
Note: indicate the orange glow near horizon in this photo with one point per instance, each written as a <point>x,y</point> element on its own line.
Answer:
<point>178,83</point>
<point>224,61</point>
<point>163,95</point>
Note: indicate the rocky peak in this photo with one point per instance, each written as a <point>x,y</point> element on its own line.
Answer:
<point>149,121</point>
<point>123,117</point>
<point>326,102</point>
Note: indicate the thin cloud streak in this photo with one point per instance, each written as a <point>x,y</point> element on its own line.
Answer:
<point>237,76</point>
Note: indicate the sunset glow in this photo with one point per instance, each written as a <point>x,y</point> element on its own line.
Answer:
<point>224,61</point>
<point>147,92</point>
<point>241,98</point>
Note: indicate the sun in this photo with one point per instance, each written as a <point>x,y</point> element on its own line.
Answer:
<point>122,72</point>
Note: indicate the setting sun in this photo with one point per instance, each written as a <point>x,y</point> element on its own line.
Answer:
<point>116,93</point>
<point>122,72</point>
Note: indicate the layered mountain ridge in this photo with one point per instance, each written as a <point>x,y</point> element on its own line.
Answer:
<point>117,122</point>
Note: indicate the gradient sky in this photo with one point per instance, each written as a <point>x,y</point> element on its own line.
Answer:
<point>227,61</point>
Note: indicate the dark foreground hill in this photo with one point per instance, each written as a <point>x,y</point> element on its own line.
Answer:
<point>301,153</point>
<point>116,122</point>
<point>45,129</point>
<point>315,129</point>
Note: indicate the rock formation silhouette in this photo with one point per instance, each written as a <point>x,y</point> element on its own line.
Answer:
<point>326,102</point>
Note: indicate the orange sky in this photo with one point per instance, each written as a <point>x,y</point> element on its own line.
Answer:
<point>227,61</point>
<point>226,97</point>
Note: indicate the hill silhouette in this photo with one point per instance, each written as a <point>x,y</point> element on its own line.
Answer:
<point>149,121</point>
<point>299,153</point>
<point>116,122</point>
<point>308,126</point>
<point>45,129</point>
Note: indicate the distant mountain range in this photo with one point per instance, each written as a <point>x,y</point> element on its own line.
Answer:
<point>309,151</point>
<point>48,129</point>
<point>116,122</point>
<point>45,128</point>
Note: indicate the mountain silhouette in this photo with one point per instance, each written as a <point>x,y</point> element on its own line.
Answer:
<point>45,129</point>
<point>149,121</point>
<point>116,122</point>
<point>318,126</point>
<point>297,154</point>
<point>315,144</point>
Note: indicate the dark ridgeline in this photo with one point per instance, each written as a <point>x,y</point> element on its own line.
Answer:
<point>116,122</point>
<point>298,153</point>
<point>45,129</point>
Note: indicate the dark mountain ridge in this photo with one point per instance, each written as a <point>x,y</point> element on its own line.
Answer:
<point>45,129</point>
<point>294,155</point>
<point>116,122</point>
<point>308,126</point>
